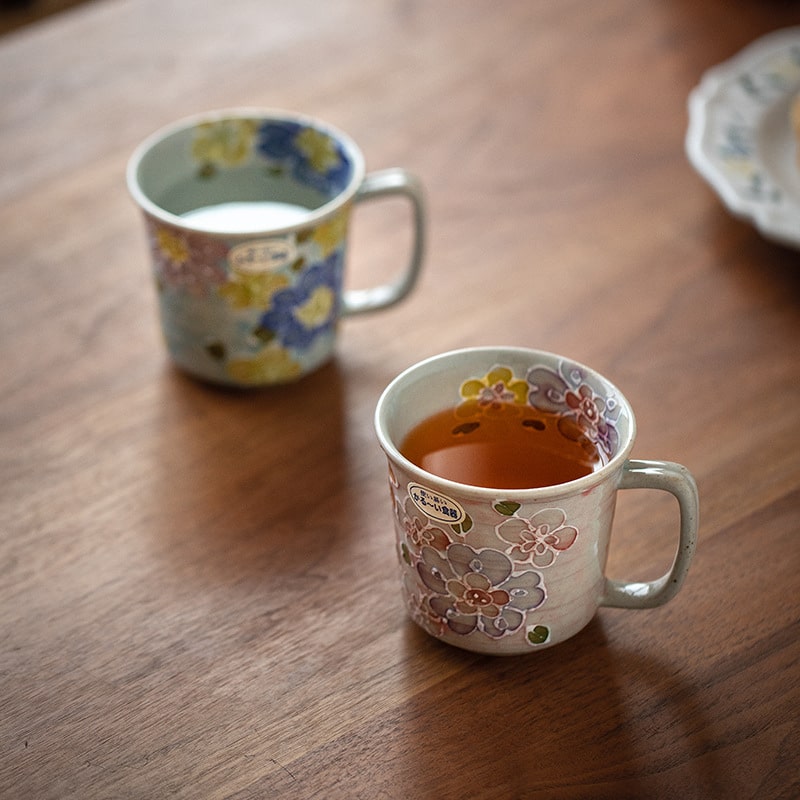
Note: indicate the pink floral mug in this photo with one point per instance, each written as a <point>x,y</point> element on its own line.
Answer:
<point>506,572</point>
<point>247,215</point>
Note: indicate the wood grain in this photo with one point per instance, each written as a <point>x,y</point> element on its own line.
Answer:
<point>197,587</point>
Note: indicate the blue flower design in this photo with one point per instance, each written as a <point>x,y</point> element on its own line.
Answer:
<point>300,313</point>
<point>329,183</point>
<point>276,139</point>
<point>282,142</point>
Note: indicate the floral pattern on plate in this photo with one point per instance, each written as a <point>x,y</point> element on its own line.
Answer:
<point>740,136</point>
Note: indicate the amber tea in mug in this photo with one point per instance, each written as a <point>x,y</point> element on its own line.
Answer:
<point>510,447</point>
<point>503,502</point>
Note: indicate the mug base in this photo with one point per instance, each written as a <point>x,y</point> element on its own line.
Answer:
<point>528,639</point>
<point>271,365</point>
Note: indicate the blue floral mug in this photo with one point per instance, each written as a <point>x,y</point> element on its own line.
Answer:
<point>246,214</point>
<point>510,571</point>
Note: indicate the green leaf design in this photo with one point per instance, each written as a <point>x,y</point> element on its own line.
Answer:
<point>216,350</point>
<point>539,634</point>
<point>264,334</point>
<point>506,507</point>
<point>463,526</point>
<point>405,554</point>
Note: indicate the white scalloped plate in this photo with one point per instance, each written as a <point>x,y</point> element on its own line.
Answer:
<point>740,137</point>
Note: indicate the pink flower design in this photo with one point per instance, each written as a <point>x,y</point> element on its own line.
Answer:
<point>539,539</point>
<point>419,530</point>
<point>587,406</point>
<point>585,412</point>
<point>187,260</point>
<point>494,395</point>
<point>590,415</point>
<point>473,594</point>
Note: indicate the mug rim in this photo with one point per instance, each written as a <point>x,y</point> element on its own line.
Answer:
<point>313,216</point>
<point>532,494</point>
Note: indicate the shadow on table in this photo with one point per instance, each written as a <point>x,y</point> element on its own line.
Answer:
<point>578,720</point>
<point>250,482</point>
<point>738,246</point>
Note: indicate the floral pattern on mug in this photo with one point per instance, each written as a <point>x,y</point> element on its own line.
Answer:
<point>585,410</point>
<point>496,581</point>
<point>537,539</point>
<point>255,326</point>
<point>484,395</point>
<point>319,149</point>
<point>272,297</point>
<point>273,363</point>
<point>224,143</point>
<point>329,235</point>
<point>186,260</point>
<point>466,589</point>
<point>419,608</point>
<point>420,531</point>
<point>477,589</point>
<point>311,156</point>
<point>252,290</point>
<point>306,309</point>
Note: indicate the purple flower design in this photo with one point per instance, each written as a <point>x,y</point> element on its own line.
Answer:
<point>476,590</point>
<point>584,412</point>
<point>300,313</point>
<point>539,539</point>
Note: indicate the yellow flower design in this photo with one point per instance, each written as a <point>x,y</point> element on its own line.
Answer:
<point>226,142</point>
<point>317,309</point>
<point>329,235</point>
<point>318,148</point>
<point>248,290</point>
<point>271,365</point>
<point>173,246</point>
<point>497,388</point>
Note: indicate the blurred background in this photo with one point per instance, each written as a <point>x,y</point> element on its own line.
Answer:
<point>16,13</point>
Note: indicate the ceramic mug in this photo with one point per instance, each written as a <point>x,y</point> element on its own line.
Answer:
<point>511,571</point>
<point>246,214</point>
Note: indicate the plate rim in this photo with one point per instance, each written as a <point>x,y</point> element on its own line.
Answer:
<point>773,220</point>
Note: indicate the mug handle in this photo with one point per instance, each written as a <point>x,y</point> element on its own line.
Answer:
<point>381,184</point>
<point>676,480</point>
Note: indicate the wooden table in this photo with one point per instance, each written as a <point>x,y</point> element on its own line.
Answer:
<point>198,593</point>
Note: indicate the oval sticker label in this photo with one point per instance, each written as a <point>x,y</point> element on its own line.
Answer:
<point>436,505</point>
<point>263,255</point>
